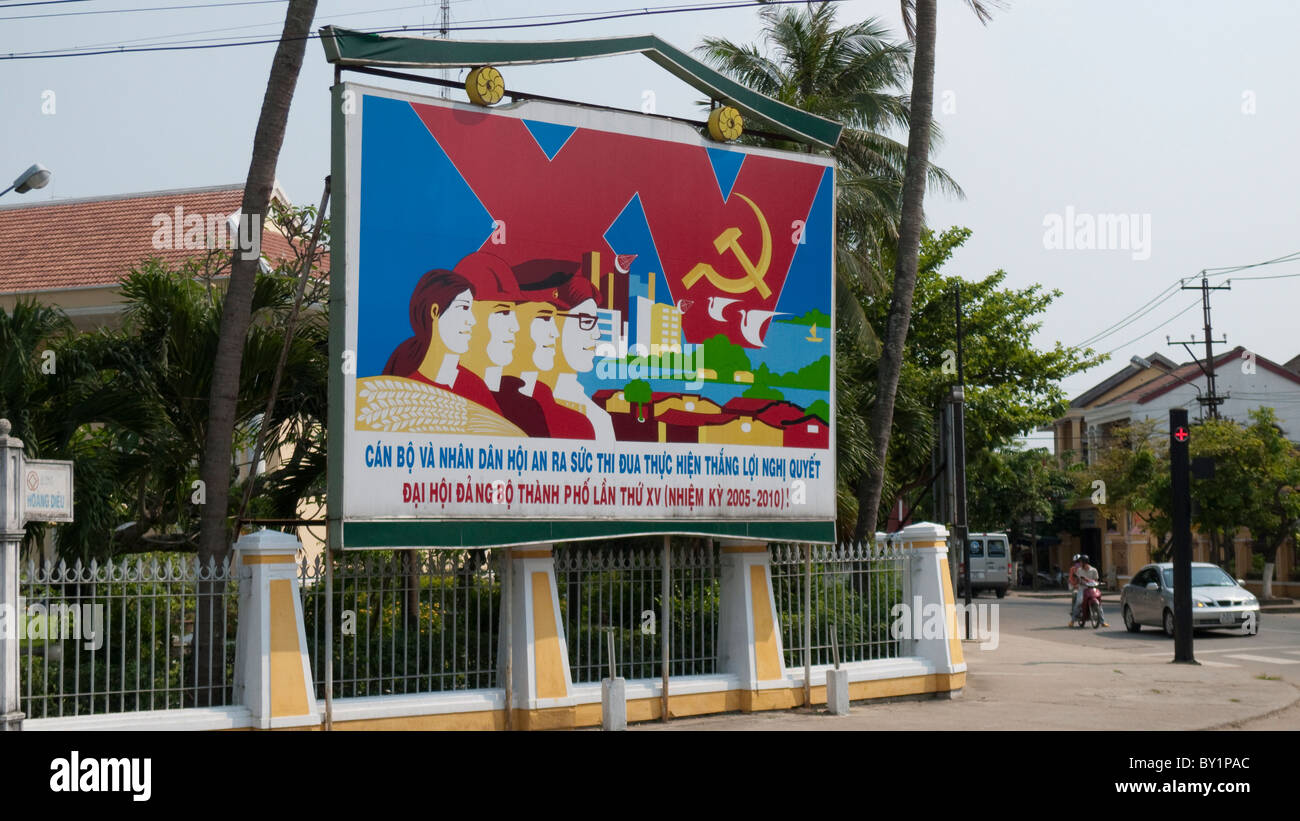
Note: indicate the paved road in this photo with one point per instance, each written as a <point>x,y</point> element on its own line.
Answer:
<point>1044,675</point>
<point>1274,651</point>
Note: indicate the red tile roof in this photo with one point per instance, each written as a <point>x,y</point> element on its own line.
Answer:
<point>774,412</point>
<point>1189,374</point>
<point>90,242</point>
<point>680,417</point>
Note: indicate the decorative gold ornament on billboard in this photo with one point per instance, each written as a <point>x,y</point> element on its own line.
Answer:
<point>725,124</point>
<point>485,86</point>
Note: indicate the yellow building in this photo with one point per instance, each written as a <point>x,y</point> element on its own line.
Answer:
<point>743,430</point>
<point>687,402</point>
<point>665,329</point>
<point>1116,539</point>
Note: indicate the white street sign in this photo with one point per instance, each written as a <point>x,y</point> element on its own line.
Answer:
<point>47,491</point>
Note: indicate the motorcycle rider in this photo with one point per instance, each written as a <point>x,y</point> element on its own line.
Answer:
<point>1087,572</point>
<point>1076,595</point>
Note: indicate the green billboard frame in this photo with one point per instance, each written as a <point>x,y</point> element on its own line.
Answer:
<point>344,47</point>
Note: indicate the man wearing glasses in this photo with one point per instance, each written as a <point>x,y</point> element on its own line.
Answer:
<point>569,412</point>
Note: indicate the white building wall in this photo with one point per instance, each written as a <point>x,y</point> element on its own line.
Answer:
<point>1246,391</point>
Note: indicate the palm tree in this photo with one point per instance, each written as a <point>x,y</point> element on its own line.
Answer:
<point>236,316</point>
<point>920,20</point>
<point>853,74</point>
<point>26,333</point>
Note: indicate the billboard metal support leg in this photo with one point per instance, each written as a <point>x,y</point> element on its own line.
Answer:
<point>665,626</point>
<point>807,626</point>
<point>506,594</point>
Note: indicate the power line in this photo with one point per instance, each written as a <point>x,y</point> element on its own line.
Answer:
<point>129,11</point>
<point>1170,290</point>
<point>1231,268</point>
<point>275,23</point>
<point>1162,297</point>
<point>641,12</point>
<point>39,3</point>
<point>1274,276</point>
<point>1156,328</point>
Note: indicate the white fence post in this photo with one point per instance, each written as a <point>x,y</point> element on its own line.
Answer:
<point>11,540</point>
<point>540,662</point>
<point>749,629</point>
<point>931,598</point>
<point>272,661</point>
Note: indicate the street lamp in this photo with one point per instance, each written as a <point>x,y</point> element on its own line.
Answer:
<point>35,177</point>
<point>1142,362</point>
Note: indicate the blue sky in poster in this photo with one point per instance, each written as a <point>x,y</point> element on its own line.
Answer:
<point>806,285</point>
<point>417,213</point>
<point>630,233</point>
<point>726,167</point>
<point>550,137</point>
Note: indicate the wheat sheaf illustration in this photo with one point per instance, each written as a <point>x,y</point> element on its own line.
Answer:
<point>398,405</point>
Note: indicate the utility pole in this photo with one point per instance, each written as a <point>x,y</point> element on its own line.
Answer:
<point>444,31</point>
<point>959,463</point>
<point>1211,401</point>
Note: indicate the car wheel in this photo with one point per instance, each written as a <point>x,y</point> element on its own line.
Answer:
<point>1130,624</point>
<point>1169,623</point>
<point>1002,592</point>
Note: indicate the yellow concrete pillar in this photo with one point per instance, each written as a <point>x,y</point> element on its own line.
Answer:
<point>272,665</point>
<point>540,660</point>
<point>749,630</point>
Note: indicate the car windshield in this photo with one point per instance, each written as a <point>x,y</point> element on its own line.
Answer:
<point>997,547</point>
<point>1203,577</point>
<point>976,548</point>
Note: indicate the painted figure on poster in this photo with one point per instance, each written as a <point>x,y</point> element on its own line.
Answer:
<point>570,413</point>
<point>442,317</point>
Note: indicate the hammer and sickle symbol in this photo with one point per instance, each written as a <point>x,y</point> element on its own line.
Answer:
<point>728,240</point>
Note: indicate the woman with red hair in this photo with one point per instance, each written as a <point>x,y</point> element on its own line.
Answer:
<point>442,318</point>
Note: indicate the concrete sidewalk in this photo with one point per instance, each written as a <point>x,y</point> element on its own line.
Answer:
<point>1029,683</point>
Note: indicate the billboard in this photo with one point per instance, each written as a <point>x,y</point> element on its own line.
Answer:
<point>548,313</point>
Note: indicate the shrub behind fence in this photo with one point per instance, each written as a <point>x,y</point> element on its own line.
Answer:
<point>405,621</point>
<point>618,588</point>
<point>854,588</point>
<point>125,635</point>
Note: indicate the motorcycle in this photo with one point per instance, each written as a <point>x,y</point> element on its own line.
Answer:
<point>1090,606</point>
<point>1054,580</point>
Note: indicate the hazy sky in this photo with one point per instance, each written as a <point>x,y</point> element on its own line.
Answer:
<point>1180,115</point>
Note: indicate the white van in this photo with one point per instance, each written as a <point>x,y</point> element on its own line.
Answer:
<point>990,563</point>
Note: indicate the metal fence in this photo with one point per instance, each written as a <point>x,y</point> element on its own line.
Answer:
<point>854,588</point>
<point>125,635</point>
<point>405,621</point>
<point>618,588</point>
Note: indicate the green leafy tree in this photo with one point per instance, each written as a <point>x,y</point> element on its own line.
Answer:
<point>1256,485</point>
<point>638,392</point>
<point>1119,478</point>
<point>129,406</point>
<point>1018,490</point>
<point>1012,386</point>
<point>723,357</point>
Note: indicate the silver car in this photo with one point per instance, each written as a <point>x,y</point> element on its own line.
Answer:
<point>1218,600</point>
